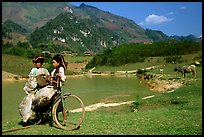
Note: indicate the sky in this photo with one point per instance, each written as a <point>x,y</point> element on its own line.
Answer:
<point>172,18</point>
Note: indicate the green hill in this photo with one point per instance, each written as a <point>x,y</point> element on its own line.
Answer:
<point>60,26</point>
<point>31,14</point>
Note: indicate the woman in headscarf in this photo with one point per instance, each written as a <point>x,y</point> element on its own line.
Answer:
<point>38,69</point>
<point>30,88</point>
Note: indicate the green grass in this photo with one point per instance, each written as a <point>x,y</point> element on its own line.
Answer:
<point>151,61</point>
<point>16,64</point>
<point>77,59</point>
<point>175,113</point>
<point>22,65</point>
<point>156,116</point>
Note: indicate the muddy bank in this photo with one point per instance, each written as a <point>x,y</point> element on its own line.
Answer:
<point>160,85</point>
<point>6,76</point>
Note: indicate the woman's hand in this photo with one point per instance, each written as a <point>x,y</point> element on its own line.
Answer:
<point>58,74</point>
<point>48,78</point>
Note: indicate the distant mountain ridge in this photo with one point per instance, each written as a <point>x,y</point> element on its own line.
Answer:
<point>31,14</point>
<point>78,29</point>
<point>189,37</point>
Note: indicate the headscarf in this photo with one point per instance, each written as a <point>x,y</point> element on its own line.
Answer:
<point>39,59</point>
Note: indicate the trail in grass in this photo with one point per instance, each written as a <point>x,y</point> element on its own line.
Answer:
<point>98,105</point>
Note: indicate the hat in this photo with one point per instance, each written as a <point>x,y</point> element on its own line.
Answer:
<point>39,59</point>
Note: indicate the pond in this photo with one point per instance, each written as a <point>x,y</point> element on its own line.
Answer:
<point>91,90</point>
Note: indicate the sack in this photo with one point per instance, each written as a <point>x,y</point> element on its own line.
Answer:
<point>41,80</point>
<point>43,96</point>
<point>30,85</point>
<point>25,107</point>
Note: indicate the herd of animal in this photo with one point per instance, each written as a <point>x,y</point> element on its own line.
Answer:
<point>182,69</point>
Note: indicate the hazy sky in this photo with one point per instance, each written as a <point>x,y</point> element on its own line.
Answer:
<point>172,18</point>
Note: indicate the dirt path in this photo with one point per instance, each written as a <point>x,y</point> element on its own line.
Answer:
<point>99,105</point>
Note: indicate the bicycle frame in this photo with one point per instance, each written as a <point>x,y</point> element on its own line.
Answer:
<point>60,90</point>
<point>60,96</point>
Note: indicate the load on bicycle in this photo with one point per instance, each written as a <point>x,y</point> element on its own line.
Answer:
<point>44,94</point>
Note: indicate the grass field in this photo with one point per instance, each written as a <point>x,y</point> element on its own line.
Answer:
<point>175,113</point>
<point>77,59</point>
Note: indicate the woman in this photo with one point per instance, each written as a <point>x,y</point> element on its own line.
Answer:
<point>32,83</point>
<point>30,89</point>
<point>60,66</point>
<point>58,76</point>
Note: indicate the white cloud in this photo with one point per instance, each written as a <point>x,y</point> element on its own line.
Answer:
<point>170,13</point>
<point>182,8</point>
<point>155,19</point>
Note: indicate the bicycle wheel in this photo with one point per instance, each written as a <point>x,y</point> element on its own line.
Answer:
<point>74,109</point>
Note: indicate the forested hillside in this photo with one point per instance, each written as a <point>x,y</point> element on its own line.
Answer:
<point>28,28</point>
<point>131,53</point>
<point>63,27</point>
<point>9,26</point>
<point>74,34</point>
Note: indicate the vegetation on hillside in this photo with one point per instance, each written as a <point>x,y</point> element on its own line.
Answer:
<point>156,35</point>
<point>131,53</point>
<point>63,27</point>
<point>75,29</point>
<point>20,49</point>
<point>9,26</point>
<point>76,35</point>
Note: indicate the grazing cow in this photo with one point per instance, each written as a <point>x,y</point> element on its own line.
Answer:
<point>186,69</point>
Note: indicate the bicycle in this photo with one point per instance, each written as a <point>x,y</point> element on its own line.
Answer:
<point>72,105</point>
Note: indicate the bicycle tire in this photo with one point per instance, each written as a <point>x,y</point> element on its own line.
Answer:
<point>74,109</point>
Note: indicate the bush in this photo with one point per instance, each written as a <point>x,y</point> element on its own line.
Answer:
<point>173,59</point>
<point>135,106</point>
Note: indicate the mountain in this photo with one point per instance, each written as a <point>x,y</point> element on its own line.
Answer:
<point>13,32</point>
<point>75,34</point>
<point>9,26</point>
<point>12,26</point>
<point>121,26</point>
<point>36,14</point>
<point>189,37</point>
<point>42,19</point>
<point>156,35</point>
<point>31,14</point>
<point>77,29</point>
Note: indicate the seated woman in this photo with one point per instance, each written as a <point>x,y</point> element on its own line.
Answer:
<point>30,88</point>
